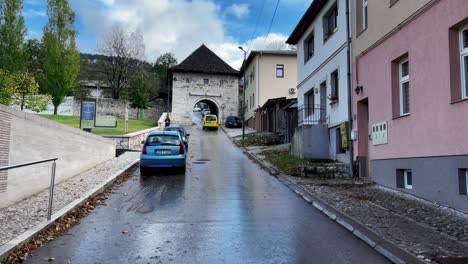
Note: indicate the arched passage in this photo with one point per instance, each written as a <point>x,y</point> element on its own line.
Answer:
<point>204,106</point>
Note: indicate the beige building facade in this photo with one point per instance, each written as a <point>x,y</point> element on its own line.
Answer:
<point>268,75</point>
<point>385,16</point>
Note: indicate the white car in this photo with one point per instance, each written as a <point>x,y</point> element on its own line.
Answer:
<point>197,109</point>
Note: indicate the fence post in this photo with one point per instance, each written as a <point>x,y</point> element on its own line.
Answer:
<point>51,191</point>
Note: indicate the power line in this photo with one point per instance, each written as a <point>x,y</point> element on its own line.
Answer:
<point>271,22</point>
<point>256,25</point>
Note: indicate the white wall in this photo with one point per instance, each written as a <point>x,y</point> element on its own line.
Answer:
<point>338,112</point>
<point>65,108</point>
<point>322,50</point>
<point>32,138</point>
<point>328,57</point>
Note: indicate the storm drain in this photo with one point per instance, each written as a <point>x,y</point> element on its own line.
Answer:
<point>198,162</point>
<point>203,160</point>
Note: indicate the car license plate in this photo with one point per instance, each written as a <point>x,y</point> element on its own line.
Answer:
<point>163,152</point>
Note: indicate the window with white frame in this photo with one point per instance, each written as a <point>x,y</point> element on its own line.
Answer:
<point>279,70</point>
<point>404,87</point>
<point>309,46</point>
<point>408,179</point>
<point>364,14</point>
<point>334,86</point>
<point>464,60</point>
<point>330,22</point>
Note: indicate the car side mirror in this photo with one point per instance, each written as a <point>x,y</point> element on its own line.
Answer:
<point>143,141</point>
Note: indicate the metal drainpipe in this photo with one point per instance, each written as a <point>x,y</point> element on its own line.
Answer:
<point>350,108</point>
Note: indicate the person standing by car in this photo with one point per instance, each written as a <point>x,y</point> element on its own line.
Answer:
<point>167,121</point>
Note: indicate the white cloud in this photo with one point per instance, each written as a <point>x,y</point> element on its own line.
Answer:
<point>177,26</point>
<point>230,52</point>
<point>34,13</point>
<point>238,10</point>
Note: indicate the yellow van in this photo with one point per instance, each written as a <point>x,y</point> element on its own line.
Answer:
<point>210,121</point>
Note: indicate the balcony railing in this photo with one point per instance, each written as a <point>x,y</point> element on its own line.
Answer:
<point>311,115</point>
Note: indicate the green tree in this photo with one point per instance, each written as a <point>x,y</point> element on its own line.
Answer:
<point>161,66</point>
<point>33,51</point>
<point>143,87</point>
<point>61,57</point>
<point>27,93</point>
<point>8,87</point>
<point>12,34</point>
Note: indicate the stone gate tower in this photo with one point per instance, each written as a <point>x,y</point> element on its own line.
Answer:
<point>203,77</point>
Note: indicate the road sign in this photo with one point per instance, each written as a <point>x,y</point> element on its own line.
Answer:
<point>88,110</point>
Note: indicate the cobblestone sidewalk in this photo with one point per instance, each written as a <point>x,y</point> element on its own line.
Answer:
<point>424,229</point>
<point>18,218</point>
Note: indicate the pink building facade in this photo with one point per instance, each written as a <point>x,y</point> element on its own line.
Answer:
<point>410,107</point>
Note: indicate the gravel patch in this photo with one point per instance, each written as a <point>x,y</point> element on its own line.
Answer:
<point>18,218</point>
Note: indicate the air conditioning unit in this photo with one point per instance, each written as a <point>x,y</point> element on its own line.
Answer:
<point>292,90</point>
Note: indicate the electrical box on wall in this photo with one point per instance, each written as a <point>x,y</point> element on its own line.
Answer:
<point>354,135</point>
<point>380,133</point>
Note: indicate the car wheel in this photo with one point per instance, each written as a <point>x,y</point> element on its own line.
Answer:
<point>143,171</point>
<point>182,169</point>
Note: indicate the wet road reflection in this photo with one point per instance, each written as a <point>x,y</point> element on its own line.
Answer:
<point>225,209</point>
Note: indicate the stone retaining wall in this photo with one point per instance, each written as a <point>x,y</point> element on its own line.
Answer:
<point>108,106</point>
<point>132,141</point>
<point>32,138</point>
<point>326,171</point>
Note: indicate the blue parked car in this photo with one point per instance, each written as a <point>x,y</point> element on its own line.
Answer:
<point>163,149</point>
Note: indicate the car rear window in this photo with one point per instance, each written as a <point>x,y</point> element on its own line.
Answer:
<point>210,118</point>
<point>180,130</point>
<point>163,140</point>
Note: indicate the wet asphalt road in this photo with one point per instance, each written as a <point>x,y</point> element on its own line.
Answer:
<point>225,209</point>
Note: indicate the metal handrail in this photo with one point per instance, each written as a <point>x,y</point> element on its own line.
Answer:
<point>52,179</point>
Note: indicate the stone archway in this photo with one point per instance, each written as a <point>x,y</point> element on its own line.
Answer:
<point>212,105</point>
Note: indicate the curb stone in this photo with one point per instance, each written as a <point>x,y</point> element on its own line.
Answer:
<point>385,248</point>
<point>25,237</point>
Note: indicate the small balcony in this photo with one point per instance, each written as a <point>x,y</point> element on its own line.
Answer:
<point>311,115</point>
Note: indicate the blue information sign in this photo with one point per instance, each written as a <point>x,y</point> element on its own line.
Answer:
<point>88,110</point>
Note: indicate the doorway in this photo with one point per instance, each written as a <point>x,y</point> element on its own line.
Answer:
<point>363,138</point>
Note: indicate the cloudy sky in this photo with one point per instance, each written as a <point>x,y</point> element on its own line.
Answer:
<point>180,26</point>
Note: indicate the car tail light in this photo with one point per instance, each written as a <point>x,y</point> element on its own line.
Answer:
<point>181,149</point>
<point>143,151</point>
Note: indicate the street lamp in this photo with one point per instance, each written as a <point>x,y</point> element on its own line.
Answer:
<point>243,93</point>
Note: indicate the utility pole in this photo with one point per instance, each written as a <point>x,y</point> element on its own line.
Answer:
<point>243,93</point>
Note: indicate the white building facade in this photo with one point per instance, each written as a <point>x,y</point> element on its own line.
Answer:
<point>323,87</point>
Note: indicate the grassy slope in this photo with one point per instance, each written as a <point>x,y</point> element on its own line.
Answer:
<point>133,124</point>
